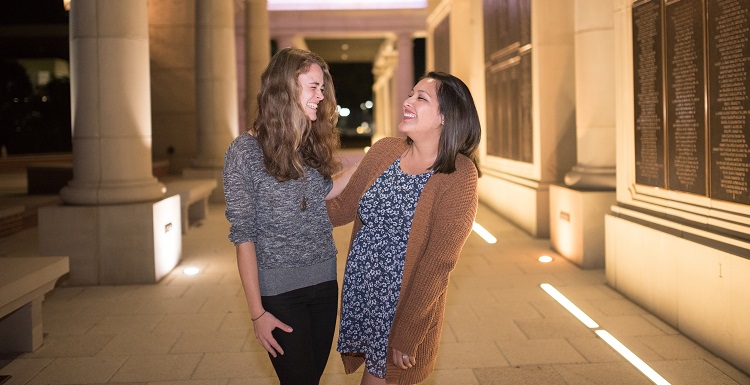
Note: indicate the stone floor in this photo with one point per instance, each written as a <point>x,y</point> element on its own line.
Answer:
<point>500,328</point>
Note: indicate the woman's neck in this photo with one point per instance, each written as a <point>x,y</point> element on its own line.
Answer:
<point>418,158</point>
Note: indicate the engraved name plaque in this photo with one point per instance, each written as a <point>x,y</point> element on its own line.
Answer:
<point>648,91</point>
<point>691,60</point>
<point>685,91</point>
<point>729,105</point>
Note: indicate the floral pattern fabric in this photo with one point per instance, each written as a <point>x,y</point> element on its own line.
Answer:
<point>375,265</point>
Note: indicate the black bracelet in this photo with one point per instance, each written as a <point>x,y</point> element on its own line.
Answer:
<point>261,315</point>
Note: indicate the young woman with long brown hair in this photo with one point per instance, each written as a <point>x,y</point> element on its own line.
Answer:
<point>276,177</point>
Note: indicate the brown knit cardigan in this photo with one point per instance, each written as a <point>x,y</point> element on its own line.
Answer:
<point>442,222</point>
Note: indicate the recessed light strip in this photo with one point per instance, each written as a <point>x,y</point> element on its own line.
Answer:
<point>604,335</point>
<point>631,357</point>
<point>482,232</point>
<point>572,308</point>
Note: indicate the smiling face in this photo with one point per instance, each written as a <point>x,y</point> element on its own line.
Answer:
<point>422,115</point>
<point>311,85</point>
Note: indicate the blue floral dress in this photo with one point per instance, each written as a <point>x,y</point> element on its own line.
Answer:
<point>375,265</point>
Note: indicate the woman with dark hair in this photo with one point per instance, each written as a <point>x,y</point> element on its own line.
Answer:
<point>276,177</point>
<point>413,202</point>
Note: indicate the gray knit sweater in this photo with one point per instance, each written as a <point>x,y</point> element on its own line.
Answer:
<point>294,248</point>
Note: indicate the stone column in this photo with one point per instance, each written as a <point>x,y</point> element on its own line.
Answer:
<point>216,83</point>
<point>257,54</point>
<point>117,226</point>
<point>595,97</point>
<point>577,209</point>
<point>216,90</point>
<point>111,104</point>
<point>404,75</point>
<point>284,41</point>
<point>384,93</point>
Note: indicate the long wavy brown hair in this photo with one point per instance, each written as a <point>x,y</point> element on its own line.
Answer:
<point>288,138</point>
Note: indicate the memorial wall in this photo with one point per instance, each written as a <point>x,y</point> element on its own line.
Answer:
<point>691,59</point>
<point>508,79</point>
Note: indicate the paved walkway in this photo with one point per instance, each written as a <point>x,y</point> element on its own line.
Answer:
<point>500,328</point>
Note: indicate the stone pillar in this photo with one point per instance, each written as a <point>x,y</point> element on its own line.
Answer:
<point>384,93</point>
<point>577,209</point>
<point>404,75</point>
<point>595,97</point>
<point>216,84</point>
<point>216,90</point>
<point>284,41</point>
<point>111,104</point>
<point>257,54</point>
<point>117,226</point>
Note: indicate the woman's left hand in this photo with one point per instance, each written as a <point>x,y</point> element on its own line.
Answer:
<point>402,360</point>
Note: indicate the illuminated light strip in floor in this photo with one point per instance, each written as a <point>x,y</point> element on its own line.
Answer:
<point>572,308</point>
<point>482,232</point>
<point>604,335</point>
<point>631,357</point>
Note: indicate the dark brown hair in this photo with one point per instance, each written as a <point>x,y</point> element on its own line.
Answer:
<point>288,138</point>
<point>461,129</point>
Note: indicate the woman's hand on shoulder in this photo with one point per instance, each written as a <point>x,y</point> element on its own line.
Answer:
<point>264,326</point>
<point>341,179</point>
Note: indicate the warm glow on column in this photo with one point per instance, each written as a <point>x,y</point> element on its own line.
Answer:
<point>66,4</point>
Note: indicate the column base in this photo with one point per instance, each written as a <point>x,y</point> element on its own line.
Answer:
<point>577,224</point>
<point>77,193</point>
<point>591,178</point>
<point>524,203</point>
<point>122,244</point>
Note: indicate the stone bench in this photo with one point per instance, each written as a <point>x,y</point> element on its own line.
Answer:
<point>23,284</point>
<point>11,220</point>
<point>194,194</point>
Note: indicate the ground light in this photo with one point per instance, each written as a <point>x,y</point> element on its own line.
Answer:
<point>545,259</point>
<point>191,270</point>
<point>570,306</point>
<point>631,357</point>
<point>482,232</point>
<point>604,335</point>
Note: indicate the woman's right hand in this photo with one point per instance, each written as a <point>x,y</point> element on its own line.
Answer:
<point>264,326</point>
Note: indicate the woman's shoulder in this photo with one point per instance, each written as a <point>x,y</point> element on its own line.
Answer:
<point>466,171</point>
<point>244,143</point>
<point>244,149</point>
<point>245,139</point>
<point>389,145</point>
<point>464,163</point>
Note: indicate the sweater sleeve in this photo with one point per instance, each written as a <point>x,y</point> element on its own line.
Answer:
<point>240,209</point>
<point>454,214</point>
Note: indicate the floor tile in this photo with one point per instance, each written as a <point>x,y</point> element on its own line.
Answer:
<point>79,370</point>
<point>157,367</point>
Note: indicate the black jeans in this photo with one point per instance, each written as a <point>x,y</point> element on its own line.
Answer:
<point>311,312</point>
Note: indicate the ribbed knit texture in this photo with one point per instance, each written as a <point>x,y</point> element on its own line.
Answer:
<point>442,222</point>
